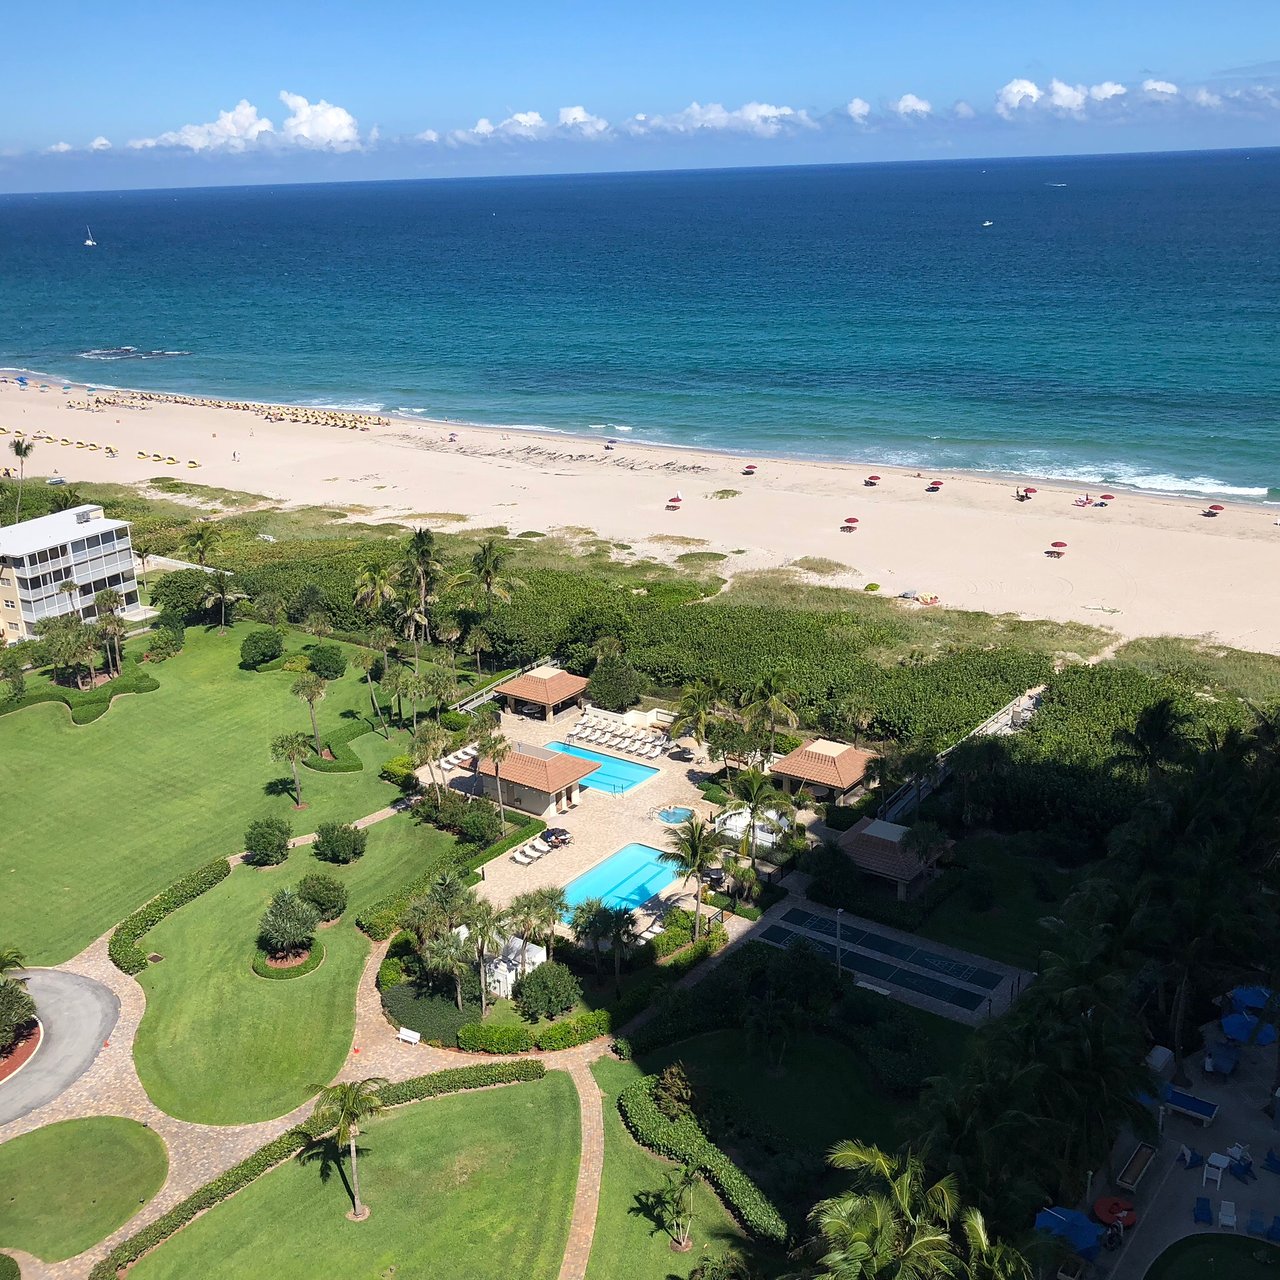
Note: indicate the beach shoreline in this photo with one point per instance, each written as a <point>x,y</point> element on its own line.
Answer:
<point>1146,564</point>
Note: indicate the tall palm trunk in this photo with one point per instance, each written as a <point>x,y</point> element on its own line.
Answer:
<point>617,967</point>
<point>297,785</point>
<point>457,989</point>
<point>1179,1013</point>
<point>484,982</point>
<point>315,728</point>
<point>502,812</point>
<point>377,710</point>
<point>355,1175</point>
<point>697,907</point>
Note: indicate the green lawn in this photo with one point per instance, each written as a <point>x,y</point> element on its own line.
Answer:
<point>115,810</point>
<point>1216,1257</point>
<point>218,1044</point>
<point>477,1185</point>
<point>626,1241</point>
<point>66,1186</point>
<point>1010,931</point>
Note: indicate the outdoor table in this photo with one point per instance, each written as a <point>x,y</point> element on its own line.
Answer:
<point>1109,1209</point>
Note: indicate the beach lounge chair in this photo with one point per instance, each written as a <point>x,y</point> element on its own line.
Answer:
<point>1187,1104</point>
<point>1227,1215</point>
<point>521,857</point>
<point>540,845</point>
<point>444,765</point>
<point>1213,1168</point>
<point>1203,1212</point>
<point>1272,1162</point>
<point>1257,1223</point>
<point>1273,1231</point>
<point>471,752</point>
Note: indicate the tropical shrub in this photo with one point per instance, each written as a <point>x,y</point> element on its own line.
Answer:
<point>574,1031</point>
<point>328,661</point>
<point>123,948</point>
<point>288,925</point>
<point>327,895</point>
<point>265,644</point>
<point>296,662</point>
<point>339,842</point>
<point>163,644</point>
<point>17,1009</point>
<point>475,822</point>
<point>546,992</point>
<point>181,593</point>
<point>455,721</point>
<point>615,684</point>
<point>266,842</point>
<point>429,1010</point>
<point>9,1268</point>
<point>481,1037</point>
<point>399,771</point>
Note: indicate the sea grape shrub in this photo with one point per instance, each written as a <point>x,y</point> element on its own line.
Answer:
<point>260,647</point>
<point>327,895</point>
<point>328,661</point>
<point>340,842</point>
<point>288,926</point>
<point>547,991</point>
<point>266,842</point>
<point>163,645</point>
<point>181,594</point>
<point>615,684</point>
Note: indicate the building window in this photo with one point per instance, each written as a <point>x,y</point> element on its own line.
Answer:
<point>10,604</point>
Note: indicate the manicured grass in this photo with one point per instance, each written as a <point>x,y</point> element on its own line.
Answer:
<point>477,1185</point>
<point>1010,931</point>
<point>627,1243</point>
<point>117,809</point>
<point>218,1044</point>
<point>1216,1257</point>
<point>66,1186</point>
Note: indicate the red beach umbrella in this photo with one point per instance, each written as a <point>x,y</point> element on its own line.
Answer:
<point>677,498</point>
<point>1031,491</point>
<point>851,519</point>
<point>1108,497</point>
<point>937,484</point>
<point>1217,506</point>
<point>873,477</point>
<point>1058,545</point>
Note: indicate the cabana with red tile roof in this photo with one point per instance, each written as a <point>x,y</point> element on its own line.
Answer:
<point>547,687</point>
<point>535,780</point>
<point>828,770</point>
<point>880,849</point>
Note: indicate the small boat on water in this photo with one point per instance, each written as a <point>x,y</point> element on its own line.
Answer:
<point>89,241</point>
<point>988,223</point>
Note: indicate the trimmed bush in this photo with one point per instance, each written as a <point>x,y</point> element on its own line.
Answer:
<point>546,992</point>
<point>480,1037</point>
<point>574,1031</point>
<point>327,895</point>
<point>685,1143</point>
<point>266,842</point>
<point>290,1143</point>
<point>328,661</point>
<point>311,963</point>
<point>616,685</point>
<point>455,721</point>
<point>429,1010</point>
<point>163,644</point>
<point>263,645</point>
<point>713,939</point>
<point>288,925</point>
<point>400,773</point>
<point>9,1268</point>
<point>85,705</point>
<point>621,1049</point>
<point>17,1009</point>
<point>123,948</point>
<point>339,842</point>
<point>338,743</point>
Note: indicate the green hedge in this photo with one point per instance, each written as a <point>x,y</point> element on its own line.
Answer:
<point>684,1142</point>
<point>313,961</point>
<point>478,1037</point>
<point>123,948</point>
<point>88,704</point>
<point>339,743</point>
<point>9,1268</point>
<point>433,1014</point>
<point>290,1143</point>
<point>531,827</point>
<point>714,939</point>
<point>574,1031</point>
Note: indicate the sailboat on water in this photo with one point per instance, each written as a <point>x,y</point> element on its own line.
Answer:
<point>89,241</point>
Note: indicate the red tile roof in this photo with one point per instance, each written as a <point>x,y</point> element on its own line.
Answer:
<point>825,764</point>
<point>539,769</point>
<point>876,847</point>
<point>547,686</point>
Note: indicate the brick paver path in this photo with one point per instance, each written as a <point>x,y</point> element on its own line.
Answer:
<point>586,1199</point>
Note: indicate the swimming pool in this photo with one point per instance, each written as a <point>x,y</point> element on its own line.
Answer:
<point>675,814</point>
<point>614,775</point>
<point>627,879</point>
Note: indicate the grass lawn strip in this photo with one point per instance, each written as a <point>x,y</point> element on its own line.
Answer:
<point>218,1044</point>
<point>66,1186</point>
<point>182,770</point>
<point>476,1185</point>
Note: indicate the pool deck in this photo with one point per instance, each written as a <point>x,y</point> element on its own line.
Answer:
<point>601,824</point>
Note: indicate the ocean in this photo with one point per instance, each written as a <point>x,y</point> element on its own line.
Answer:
<point>1117,322</point>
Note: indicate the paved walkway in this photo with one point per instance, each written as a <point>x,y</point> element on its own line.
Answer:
<point>586,1200</point>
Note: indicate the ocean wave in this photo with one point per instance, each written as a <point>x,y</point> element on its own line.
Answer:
<point>1151,482</point>
<point>128,353</point>
<point>347,406</point>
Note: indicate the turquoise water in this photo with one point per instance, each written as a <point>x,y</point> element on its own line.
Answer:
<point>627,879</point>
<point>675,814</point>
<point>1119,323</point>
<point>614,775</point>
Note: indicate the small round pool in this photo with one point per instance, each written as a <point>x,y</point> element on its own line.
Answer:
<point>674,815</point>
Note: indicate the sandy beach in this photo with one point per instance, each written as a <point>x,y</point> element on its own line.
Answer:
<point>1141,565</point>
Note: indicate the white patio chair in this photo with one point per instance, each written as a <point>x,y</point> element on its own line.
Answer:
<point>1213,1168</point>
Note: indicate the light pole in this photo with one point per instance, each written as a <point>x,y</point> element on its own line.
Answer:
<point>839,959</point>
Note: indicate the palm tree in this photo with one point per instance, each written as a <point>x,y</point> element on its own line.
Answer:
<point>365,659</point>
<point>428,742</point>
<point>220,594</point>
<point>424,567</point>
<point>487,565</point>
<point>447,954</point>
<point>695,713</point>
<point>203,541</point>
<point>342,1108</point>
<point>475,643</point>
<point>105,604</point>
<point>695,850</point>
<point>886,771</point>
<point>22,450</point>
<point>65,498</point>
<point>621,922</point>
<point>448,632</point>
<point>988,1259</point>
<point>976,763</point>
<point>441,687</point>
<point>676,1199</point>
<point>1158,737</point>
<point>484,932</point>
<point>10,959</point>
<point>413,685</point>
<point>523,917</point>
<point>769,703</point>
<point>920,760</point>
<point>552,908</point>
<point>495,747</point>
<point>394,678</point>
<point>291,747</point>
<point>310,688</point>
<point>754,794</point>
<point>144,550</point>
<point>855,721</point>
<point>382,638</point>
<point>375,586</point>
<point>589,926</point>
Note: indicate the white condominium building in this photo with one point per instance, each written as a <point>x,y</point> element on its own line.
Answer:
<point>79,545</point>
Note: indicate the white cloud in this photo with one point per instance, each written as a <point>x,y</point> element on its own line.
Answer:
<point>233,130</point>
<point>859,109</point>
<point>100,144</point>
<point>963,111</point>
<point>374,136</point>
<point>427,135</point>
<point>1160,88</point>
<point>521,125</point>
<point>760,119</point>
<point>1107,90</point>
<point>1067,97</point>
<point>1015,95</point>
<point>319,124</point>
<point>59,148</point>
<point>579,122</point>
<point>1203,98</point>
<point>909,105</point>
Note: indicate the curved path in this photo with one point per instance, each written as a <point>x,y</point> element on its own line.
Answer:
<point>78,1016</point>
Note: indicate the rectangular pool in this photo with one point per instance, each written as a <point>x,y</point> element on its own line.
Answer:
<point>627,879</point>
<point>614,775</point>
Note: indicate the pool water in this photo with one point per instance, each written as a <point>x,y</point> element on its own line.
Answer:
<point>627,879</point>
<point>675,815</point>
<point>614,775</point>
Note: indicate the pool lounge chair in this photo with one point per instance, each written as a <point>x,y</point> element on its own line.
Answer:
<point>470,753</point>
<point>1190,1158</point>
<point>540,845</point>
<point>1227,1215</point>
<point>1202,1214</point>
<point>1187,1104</point>
<point>1272,1162</point>
<point>1257,1223</point>
<point>521,857</point>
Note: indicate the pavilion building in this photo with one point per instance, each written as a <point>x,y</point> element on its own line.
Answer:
<point>535,780</point>
<point>829,771</point>
<point>546,689</point>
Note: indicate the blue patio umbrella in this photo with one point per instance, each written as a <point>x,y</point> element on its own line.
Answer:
<point>1240,1028</point>
<point>1245,998</point>
<point>1082,1234</point>
<point>21,379</point>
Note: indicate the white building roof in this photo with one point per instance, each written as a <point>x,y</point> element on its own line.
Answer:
<point>53,530</point>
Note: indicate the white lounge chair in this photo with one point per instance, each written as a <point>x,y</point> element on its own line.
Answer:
<point>535,853</point>
<point>444,765</point>
<point>521,857</point>
<point>540,845</point>
<point>471,752</point>
<point>1227,1215</point>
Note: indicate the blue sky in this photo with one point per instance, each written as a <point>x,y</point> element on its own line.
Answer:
<point>148,94</point>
